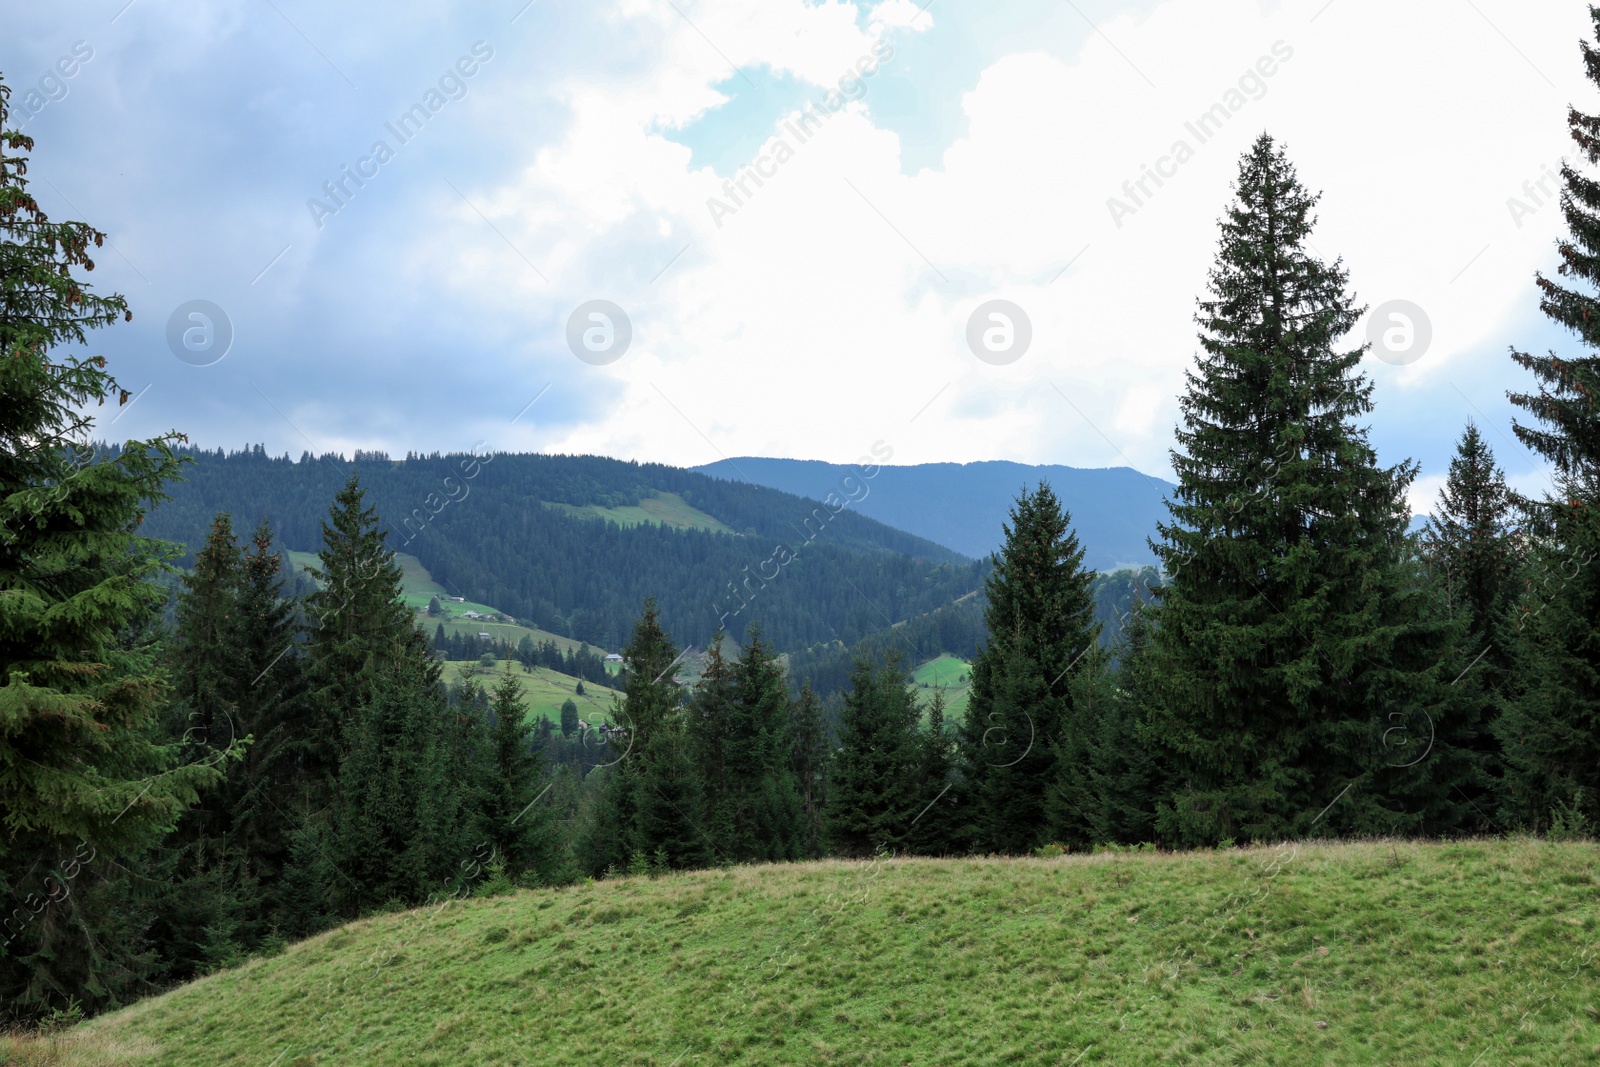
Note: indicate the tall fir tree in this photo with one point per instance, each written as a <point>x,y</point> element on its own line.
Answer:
<point>358,627</point>
<point>650,796</point>
<point>934,829</point>
<point>757,811</point>
<point>1291,637</point>
<point>1551,729</point>
<point>1470,551</point>
<point>873,790</point>
<point>809,758</point>
<point>710,711</point>
<point>1042,632</point>
<point>1127,779</point>
<point>402,814</point>
<point>85,778</point>
<point>518,825</point>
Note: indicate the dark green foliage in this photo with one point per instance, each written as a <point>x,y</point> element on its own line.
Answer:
<point>1023,718</point>
<point>1291,638</point>
<point>955,628</point>
<point>1551,730</point>
<point>236,677</point>
<point>754,809</point>
<point>590,575</point>
<point>359,628</point>
<point>651,794</point>
<point>873,790</point>
<point>569,717</point>
<point>404,804</point>
<point>935,829</point>
<point>809,757</point>
<point>516,819</point>
<point>85,779</point>
<point>1473,564</point>
<point>1127,777</point>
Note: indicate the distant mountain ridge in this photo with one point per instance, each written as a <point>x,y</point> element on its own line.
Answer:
<point>574,544</point>
<point>962,505</point>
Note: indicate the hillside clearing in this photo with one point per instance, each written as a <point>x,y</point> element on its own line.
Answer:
<point>1376,952</point>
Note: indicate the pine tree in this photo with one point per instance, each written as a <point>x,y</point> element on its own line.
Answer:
<point>1041,624</point>
<point>810,754</point>
<point>934,830</point>
<point>569,717</point>
<point>709,714</point>
<point>1551,729</point>
<point>757,812</point>
<point>1470,553</point>
<point>1127,779</point>
<point>651,792</point>
<point>83,772</point>
<point>873,794</point>
<point>402,815</point>
<point>1291,636</point>
<point>519,827</point>
<point>359,626</point>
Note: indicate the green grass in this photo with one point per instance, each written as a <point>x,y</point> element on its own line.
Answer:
<point>417,587</point>
<point>945,672</point>
<point>1426,955</point>
<point>664,509</point>
<point>507,631</point>
<point>543,690</point>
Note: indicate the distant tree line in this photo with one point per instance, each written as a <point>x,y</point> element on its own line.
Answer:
<point>479,524</point>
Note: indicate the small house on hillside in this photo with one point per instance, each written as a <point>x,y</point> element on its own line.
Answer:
<point>458,600</point>
<point>483,635</point>
<point>612,657</point>
<point>471,615</point>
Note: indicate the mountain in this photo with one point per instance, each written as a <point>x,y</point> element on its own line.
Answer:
<point>962,505</point>
<point>574,544</point>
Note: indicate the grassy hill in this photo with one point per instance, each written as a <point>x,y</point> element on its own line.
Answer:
<point>1479,952</point>
<point>660,509</point>
<point>543,690</point>
<point>953,675</point>
<point>417,587</point>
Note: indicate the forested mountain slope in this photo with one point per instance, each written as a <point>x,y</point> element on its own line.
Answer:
<point>574,544</point>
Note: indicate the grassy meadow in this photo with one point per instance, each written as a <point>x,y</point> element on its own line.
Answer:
<point>543,690</point>
<point>1424,954</point>
<point>661,509</point>
<point>953,675</point>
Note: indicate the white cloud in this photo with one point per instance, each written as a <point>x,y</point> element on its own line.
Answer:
<point>829,309</point>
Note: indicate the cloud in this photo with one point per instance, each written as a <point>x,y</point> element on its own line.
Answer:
<point>829,309</point>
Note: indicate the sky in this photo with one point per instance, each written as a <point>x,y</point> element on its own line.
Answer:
<point>683,230</point>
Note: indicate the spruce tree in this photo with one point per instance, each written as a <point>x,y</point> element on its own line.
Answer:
<point>1291,638</point>
<point>1468,542</point>
<point>934,829</point>
<point>810,754</point>
<point>709,713</point>
<point>84,776</point>
<point>519,828</point>
<point>402,813</point>
<point>1040,618</point>
<point>1471,555</point>
<point>873,790</point>
<point>650,800</point>
<point>1551,729</point>
<point>358,626</point>
<point>757,811</point>
<point>1127,778</point>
